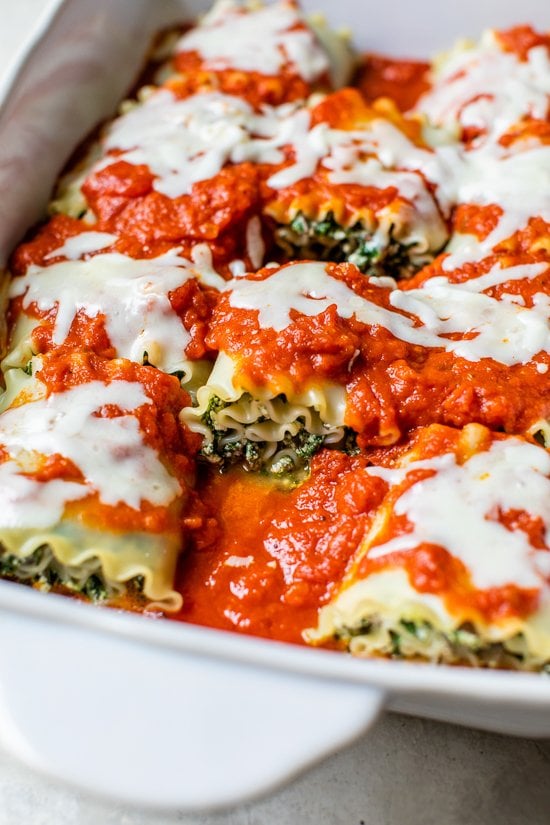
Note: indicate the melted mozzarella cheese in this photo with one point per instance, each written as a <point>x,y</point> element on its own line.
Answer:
<point>78,246</point>
<point>517,181</point>
<point>489,88</point>
<point>261,40</point>
<point>187,141</point>
<point>504,330</point>
<point>366,157</point>
<point>27,502</point>
<point>132,296</point>
<point>110,452</point>
<point>458,506</point>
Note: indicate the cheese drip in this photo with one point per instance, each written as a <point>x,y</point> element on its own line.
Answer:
<point>110,453</point>
<point>458,507</point>
<point>83,244</point>
<point>132,295</point>
<point>30,503</point>
<point>488,88</point>
<point>262,40</point>
<point>505,331</point>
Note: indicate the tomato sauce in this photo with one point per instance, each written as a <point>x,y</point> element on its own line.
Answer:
<point>125,202</point>
<point>521,39</point>
<point>279,554</point>
<point>391,386</point>
<point>256,88</point>
<point>403,81</point>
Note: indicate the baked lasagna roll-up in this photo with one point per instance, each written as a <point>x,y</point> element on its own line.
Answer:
<point>361,186</point>
<point>288,340</point>
<point>455,566</point>
<point>78,292</point>
<point>167,170</point>
<point>263,53</point>
<point>171,166</point>
<point>311,353</point>
<point>95,476</point>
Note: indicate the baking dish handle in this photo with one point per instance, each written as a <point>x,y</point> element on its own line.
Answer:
<point>164,728</point>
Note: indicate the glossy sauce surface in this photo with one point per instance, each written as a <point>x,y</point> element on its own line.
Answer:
<point>277,555</point>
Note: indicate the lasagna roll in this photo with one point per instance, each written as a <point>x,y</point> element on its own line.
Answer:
<point>454,564</point>
<point>95,472</point>
<point>74,289</point>
<point>310,353</point>
<point>263,53</point>
<point>361,187</point>
<point>481,89</point>
<point>168,171</point>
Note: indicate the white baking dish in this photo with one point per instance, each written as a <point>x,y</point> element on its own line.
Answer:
<point>160,713</point>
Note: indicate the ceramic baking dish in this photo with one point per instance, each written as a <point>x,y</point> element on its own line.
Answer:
<point>153,712</point>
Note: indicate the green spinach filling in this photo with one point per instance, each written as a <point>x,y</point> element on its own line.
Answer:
<point>327,240</point>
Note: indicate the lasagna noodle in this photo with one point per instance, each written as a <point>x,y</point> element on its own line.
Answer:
<point>90,500</point>
<point>454,565</point>
<point>272,428</point>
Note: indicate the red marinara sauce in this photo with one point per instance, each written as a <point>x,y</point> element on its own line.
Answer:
<point>403,81</point>
<point>279,554</point>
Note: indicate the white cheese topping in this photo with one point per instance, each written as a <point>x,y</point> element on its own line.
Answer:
<point>488,88</point>
<point>457,508</point>
<point>80,245</point>
<point>110,452</point>
<point>503,330</point>
<point>260,40</point>
<point>30,503</point>
<point>361,156</point>
<point>187,141</point>
<point>516,179</point>
<point>131,294</point>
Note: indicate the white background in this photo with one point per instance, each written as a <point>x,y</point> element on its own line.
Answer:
<point>406,772</point>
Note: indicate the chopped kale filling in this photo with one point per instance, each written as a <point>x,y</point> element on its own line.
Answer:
<point>44,571</point>
<point>408,639</point>
<point>327,240</point>
<point>290,456</point>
